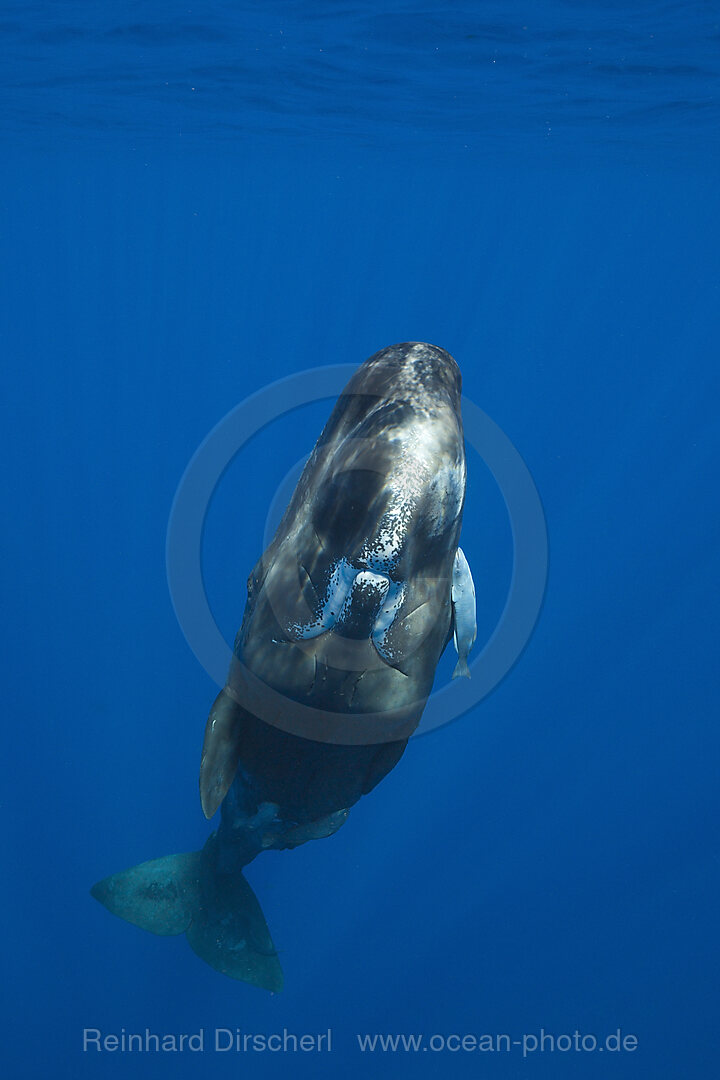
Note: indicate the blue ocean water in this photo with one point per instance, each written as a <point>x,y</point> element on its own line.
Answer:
<point>199,201</point>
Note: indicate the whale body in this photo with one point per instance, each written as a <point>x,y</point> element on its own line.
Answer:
<point>348,612</point>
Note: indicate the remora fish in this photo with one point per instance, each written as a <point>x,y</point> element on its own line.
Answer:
<point>348,612</point>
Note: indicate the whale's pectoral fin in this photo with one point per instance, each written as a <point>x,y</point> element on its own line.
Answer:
<point>220,752</point>
<point>464,613</point>
<point>219,913</point>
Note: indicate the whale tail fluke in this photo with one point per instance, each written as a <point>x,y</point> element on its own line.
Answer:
<point>462,671</point>
<point>218,913</point>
